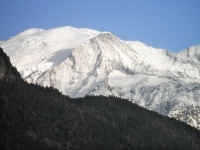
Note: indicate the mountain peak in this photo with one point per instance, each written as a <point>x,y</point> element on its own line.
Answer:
<point>30,32</point>
<point>81,61</point>
<point>106,32</point>
<point>106,35</point>
<point>191,54</point>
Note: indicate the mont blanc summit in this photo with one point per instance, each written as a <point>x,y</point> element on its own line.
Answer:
<point>80,62</point>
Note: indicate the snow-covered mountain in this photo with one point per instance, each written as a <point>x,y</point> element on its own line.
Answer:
<point>83,61</point>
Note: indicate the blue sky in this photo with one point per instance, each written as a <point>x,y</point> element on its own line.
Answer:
<point>170,24</point>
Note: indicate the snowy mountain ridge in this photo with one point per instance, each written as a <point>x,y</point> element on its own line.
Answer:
<point>83,61</point>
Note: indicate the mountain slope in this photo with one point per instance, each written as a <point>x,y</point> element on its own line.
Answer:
<point>40,50</point>
<point>91,63</point>
<point>34,117</point>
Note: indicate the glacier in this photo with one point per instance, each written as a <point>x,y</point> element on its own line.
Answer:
<point>81,61</point>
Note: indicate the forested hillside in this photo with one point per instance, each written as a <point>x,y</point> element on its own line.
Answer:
<point>34,117</point>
